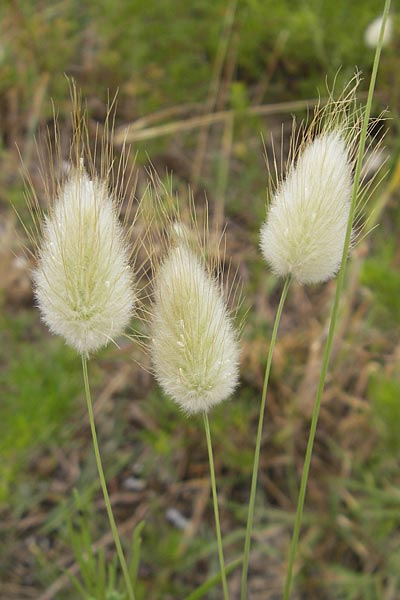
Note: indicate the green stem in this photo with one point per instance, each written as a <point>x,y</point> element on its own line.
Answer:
<point>114,529</point>
<point>216,512</point>
<point>334,314</point>
<point>250,516</point>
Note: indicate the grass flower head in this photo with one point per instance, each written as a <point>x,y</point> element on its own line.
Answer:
<point>372,32</point>
<point>305,229</point>
<point>194,345</point>
<point>83,281</point>
<point>306,224</point>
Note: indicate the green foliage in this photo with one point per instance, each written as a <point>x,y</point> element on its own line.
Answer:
<point>39,42</point>
<point>171,67</point>
<point>384,393</point>
<point>95,573</point>
<point>320,38</point>
<point>349,585</point>
<point>367,526</point>
<point>162,53</point>
<point>313,38</point>
<point>98,575</point>
<point>384,282</point>
<point>40,381</point>
<point>99,578</point>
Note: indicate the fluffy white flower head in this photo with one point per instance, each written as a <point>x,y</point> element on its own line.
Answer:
<point>372,32</point>
<point>305,229</point>
<point>194,347</point>
<point>83,282</point>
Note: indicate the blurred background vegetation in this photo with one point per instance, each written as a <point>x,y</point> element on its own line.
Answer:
<point>202,86</point>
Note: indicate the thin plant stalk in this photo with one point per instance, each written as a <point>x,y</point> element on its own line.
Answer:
<point>256,463</point>
<point>216,511</point>
<point>334,314</point>
<point>114,529</point>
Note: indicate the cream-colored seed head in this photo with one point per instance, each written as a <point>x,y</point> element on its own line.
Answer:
<point>194,347</point>
<point>83,281</point>
<point>373,31</point>
<point>305,229</point>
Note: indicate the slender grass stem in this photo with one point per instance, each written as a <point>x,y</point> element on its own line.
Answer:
<point>334,314</point>
<point>216,511</point>
<point>114,529</point>
<point>250,516</point>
